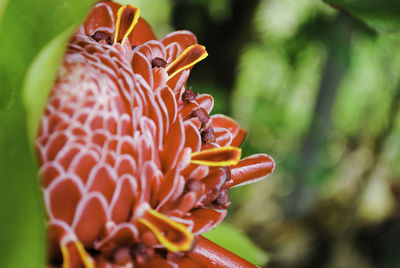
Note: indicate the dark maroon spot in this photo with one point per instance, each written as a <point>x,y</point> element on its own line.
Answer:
<point>208,135</point>
<point>202,115</point>
<point>141,253</point>
<point>158,62</point>
<point>133,47</point>
<point>188,95</point>
<point>162,252</point>
<point>93,252</point>
<point>222,202</point>
<point>100,35</point>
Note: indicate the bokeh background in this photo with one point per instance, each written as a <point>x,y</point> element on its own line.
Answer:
<point>317,88</point>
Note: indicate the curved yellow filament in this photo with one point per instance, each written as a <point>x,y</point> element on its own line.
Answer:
<point>150,221</point>
<point>86,259</point>
<point>131,26</point>
<point>217,157</point>
<point>198,52</point>
<point>65,254</point>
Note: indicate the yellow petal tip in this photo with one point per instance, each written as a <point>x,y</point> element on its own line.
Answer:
<point>188,58</point>
<point>217,157</point>
<point>132,14</point>
<point>173,235</point>
<point>87,261</point>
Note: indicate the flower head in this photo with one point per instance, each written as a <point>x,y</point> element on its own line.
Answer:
<point>133,167</point>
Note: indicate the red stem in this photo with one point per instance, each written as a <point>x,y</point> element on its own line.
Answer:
<point>209,254</point>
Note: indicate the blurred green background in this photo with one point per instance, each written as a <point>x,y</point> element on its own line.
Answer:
<point>319,90</point>
<point>317,87</point>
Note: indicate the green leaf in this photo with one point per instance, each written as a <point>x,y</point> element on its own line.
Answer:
<point>382,15</point>
<point>3,5</point>
<point>40,78</point>
<point>26,28</point>
<point>236,241</point>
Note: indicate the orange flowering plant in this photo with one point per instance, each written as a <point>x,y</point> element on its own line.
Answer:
<point>133,167</point>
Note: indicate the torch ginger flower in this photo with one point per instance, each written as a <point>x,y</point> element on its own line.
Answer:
<point>133,167</point>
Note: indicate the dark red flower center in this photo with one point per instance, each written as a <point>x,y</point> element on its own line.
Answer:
<point>158,62</point>
<point>188,95</point>
<point>100,35</point>
<point>208,135</point>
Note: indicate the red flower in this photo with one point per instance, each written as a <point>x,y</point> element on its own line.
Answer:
<point>133,167</point>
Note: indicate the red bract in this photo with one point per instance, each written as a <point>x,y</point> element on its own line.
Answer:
<point>133,167</point>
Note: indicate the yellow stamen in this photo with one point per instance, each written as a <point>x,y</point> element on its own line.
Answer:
<point>121,11</point>
<point>86,259</point>
<point>65,254</point>
<point>217,157</point>
<point>185,61</point>
<point>154,219</point>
